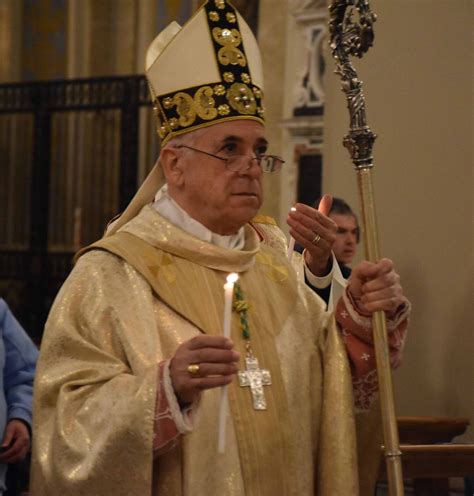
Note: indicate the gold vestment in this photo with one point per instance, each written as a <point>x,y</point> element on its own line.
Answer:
<point>127,305</point>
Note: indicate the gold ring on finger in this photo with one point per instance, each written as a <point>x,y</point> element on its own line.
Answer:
<point>316,240</point>
<point>193,369</point>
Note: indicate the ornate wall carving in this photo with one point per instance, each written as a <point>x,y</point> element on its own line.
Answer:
<point>308,5</point>
<point>303,118</point>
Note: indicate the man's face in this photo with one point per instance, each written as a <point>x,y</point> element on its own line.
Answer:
<point>346,238</point>
<point>212,194</point>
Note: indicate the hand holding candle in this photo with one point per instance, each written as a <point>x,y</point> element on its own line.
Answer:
<point>228,296</point>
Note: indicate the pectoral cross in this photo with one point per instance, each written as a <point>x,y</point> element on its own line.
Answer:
<point>255,378</point>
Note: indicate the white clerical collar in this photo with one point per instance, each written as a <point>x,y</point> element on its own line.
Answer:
<point>171,211</point>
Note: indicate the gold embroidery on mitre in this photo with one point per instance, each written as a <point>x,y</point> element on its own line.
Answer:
<point>229,39</point>
<point>235,94</point>
<point>157,113</point>
<point>241,98</point>
<point>162,128</point>
<point>228,77</point>
<point>214,16</point>
<point>162,132</point>
<point>167,103</point>
<point>185,108</point>
<point>205,104</point>
<point>219,89</point>
<point>223,109</point>
<point>245,78</point>
<point>173,122</point>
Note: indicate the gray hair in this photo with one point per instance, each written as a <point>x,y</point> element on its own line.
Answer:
<point>180,140</point>
<point>185,139</point>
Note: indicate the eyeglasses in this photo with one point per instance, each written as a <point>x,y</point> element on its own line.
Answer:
<point>241,163</point>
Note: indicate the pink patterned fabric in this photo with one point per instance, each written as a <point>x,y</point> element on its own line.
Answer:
<point>356,330</point>
<point>166,430</point>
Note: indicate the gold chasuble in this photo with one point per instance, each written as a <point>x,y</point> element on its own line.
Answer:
<point>130,301</point>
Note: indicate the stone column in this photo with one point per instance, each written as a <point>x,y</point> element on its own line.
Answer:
<point>272,37</point>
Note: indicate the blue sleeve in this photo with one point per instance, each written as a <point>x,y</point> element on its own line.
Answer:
<point>21,355</point>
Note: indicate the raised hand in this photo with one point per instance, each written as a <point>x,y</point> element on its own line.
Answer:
<point>315,232</point>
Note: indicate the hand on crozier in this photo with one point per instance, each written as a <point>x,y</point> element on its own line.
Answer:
<point>376,286</point>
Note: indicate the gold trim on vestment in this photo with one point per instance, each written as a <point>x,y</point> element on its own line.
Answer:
<point>263,219</point>
<point>262,435</point>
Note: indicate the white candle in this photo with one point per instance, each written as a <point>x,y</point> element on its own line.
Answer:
<point>291,242</point>
<point>228,296</point>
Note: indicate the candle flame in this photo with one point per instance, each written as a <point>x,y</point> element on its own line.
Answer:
<point>232,277</point>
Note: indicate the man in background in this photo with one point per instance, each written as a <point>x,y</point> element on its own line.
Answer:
<point>347,235</point>
<point>333,248</point>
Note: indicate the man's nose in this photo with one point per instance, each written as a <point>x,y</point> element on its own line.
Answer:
<point>253,167</point>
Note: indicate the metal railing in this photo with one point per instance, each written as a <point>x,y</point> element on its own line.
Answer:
<point>71,155</point>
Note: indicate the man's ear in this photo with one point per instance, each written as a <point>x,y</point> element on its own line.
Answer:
<point>170,162</point>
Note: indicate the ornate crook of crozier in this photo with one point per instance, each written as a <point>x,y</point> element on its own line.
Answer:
<point>350,38</point>
<point>354,38</point>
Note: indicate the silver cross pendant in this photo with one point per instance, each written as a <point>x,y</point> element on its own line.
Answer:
<point>255,378</point>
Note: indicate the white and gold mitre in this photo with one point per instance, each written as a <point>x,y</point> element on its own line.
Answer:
<point>205,72</point>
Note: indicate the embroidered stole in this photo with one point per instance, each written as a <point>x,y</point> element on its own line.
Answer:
<point>196,293</point>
